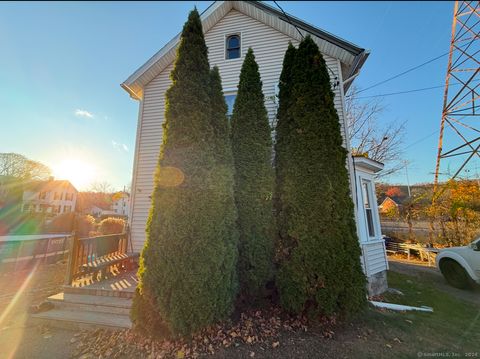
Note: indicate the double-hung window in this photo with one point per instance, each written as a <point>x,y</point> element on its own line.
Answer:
<point>367,203</point>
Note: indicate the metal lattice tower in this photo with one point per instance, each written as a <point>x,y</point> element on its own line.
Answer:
<point>460,126</point>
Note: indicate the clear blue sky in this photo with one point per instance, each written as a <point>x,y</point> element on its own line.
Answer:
<point>61,65</point>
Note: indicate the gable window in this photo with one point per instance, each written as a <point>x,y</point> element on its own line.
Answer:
<point>232,47</point>
<point>367,202</point>
<point>230,100</point>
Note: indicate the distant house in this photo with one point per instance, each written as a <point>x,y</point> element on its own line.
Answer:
<point>52,197</point>
<point>121,203</point>
<point>118,207</point>
<point>98,211</point>
<point>230,28</point>
<point>388,205</point>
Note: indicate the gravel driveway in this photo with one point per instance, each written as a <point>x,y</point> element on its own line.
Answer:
<point>436,278</point>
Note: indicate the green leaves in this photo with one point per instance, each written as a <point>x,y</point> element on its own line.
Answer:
<point>252,151</point>
<point>188,265</point>
<point>318,251</point>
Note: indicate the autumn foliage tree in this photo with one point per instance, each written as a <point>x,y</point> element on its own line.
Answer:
<point>111,225</point>
<point>394,192</point>
<point>21,168</point>
<point>188,264</point>
<point>456,212</point>
<point>319,269</point>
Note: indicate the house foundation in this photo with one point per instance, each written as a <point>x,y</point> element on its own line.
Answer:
<point>377,283</point>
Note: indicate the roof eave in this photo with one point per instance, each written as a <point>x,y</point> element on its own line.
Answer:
<point>355,69</point>
<point>325,35</point>
<point>368,163</point>
<point>132,93</point>
<point>134,86</point>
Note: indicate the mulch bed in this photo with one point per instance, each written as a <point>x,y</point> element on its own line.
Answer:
<point>264,327</point>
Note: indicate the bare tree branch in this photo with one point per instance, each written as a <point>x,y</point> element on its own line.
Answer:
<point>18,166</point>
<point>381,142</point>
<point>101,187</point>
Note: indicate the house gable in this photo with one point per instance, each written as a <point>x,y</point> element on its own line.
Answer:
<point>269,46</point>
<point>351,56</point>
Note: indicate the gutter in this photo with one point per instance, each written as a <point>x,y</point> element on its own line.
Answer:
<point>355,69</point>
<point>130,91</point>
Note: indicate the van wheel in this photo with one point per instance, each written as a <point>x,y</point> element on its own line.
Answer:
<point>454,273</point>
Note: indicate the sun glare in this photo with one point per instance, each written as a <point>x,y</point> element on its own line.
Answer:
<point>79,173</point>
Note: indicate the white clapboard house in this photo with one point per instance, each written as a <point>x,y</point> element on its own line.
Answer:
<point>230,28</point>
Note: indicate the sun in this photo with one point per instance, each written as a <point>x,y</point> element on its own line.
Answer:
<point>78,172</point>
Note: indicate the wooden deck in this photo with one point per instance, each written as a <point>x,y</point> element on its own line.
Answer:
<point>116,284</point>
<point>91,303</point>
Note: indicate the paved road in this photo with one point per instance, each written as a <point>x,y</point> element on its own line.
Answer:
<point>436,278</point>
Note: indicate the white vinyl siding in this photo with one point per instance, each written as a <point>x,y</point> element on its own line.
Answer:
<point>374,259</point>
<point>269,46</point>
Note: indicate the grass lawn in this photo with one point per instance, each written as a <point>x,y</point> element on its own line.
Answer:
<point>453,327</point>
<point>452,330</point>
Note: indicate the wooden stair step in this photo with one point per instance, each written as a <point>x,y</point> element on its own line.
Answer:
<point>83,319</point>
<point>100,292</point>
<point>102,304</point>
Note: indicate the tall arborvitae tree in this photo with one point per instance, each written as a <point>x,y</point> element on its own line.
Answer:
<point>225,179</point>
<point>320,269</point>
<point>254,177</point>
<point>282,129</point>
<point>188,264</point>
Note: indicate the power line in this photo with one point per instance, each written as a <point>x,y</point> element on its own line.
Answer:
<point>288,18</point>
<point>301,35</point>
<point>409,70</point>
<point>410,91</point>
<point>401,92</point>
<point>404,72</point>
<point>420,140</point>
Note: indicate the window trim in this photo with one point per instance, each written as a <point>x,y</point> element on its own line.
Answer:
<point>366,186</point>
<point>361,179</point>
<point>225,38</point>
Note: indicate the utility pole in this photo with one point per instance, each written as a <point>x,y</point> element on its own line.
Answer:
<point>408,181</point>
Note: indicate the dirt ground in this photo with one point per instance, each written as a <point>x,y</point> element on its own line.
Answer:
<point>18,291</point>
<point>373,334</point>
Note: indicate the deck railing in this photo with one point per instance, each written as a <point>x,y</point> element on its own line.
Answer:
<point>89,252</point>
<point>22,251</point>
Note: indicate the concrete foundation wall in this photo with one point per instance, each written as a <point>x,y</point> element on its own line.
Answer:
<point>377,283</point>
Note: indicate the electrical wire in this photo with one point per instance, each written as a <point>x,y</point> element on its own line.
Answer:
<point>409,70</point>
<point>301,35</point>
<point>410,91</point>
<point>401,92</point>
<point>404,72</point>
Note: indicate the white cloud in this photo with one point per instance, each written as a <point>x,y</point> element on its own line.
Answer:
<point>119,146</point>
<point>83,113</point>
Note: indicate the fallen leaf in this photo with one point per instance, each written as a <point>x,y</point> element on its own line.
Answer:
<point>275,344</point>
<point>180,354</point>
<point>388,346</point>
<point>252,354</point>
